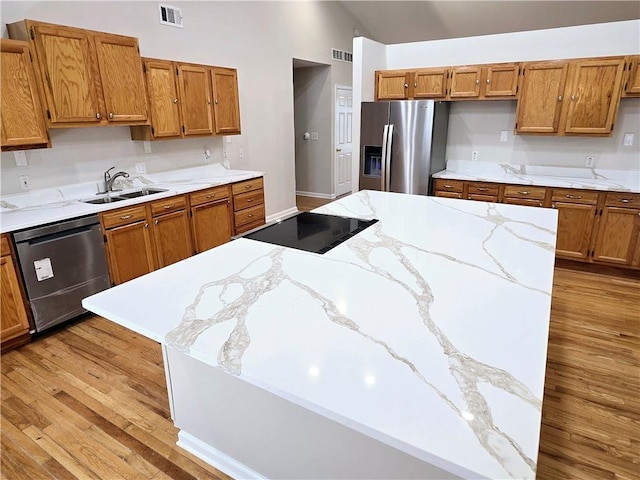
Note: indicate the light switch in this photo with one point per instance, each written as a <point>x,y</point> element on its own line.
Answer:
<point>504,135</point>
<point>627,141</point>
<point>241,152</point>
<point>147,146</point>
<point>21,158</point>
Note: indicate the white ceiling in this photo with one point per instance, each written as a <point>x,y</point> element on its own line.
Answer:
<point>391,22</point>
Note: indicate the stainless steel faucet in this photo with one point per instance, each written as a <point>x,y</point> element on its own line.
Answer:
<point>109,179</point>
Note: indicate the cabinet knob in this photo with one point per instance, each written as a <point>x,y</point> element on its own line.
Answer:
<point>208,101</point>
<point>250,215</point>
<point>146,225</point>
<point>488,80</point>
<point>559,98</point>
<point>573,98</point>
<point>110,115</point>
<point>406,85</point>
<point>553,205</point>
<point>477,82</point>
<point>216,101</point>
<point>175,100</point>
<point>98,116</point>
<point>156,222</point>
<point>415,84</point>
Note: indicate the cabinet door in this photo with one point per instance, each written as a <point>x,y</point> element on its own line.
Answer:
<point>540,101</point>
<point>172,238</point>
<point>392,85</point>
<point>14,315</point>
<point>226,104</point>
<point>21,120</point>
<point>617,235</point>
<point>430,83</point>
<point>122,79</point>
<point>195,94</point>
<point>211,225</point>
<point>64,57</point>
<point>465,82</point>
<point>632,81</point>
<point>163,98</point>
<point>130,252</point>
<point>593,94</point>
<point>501,80</point>
<point>575,224</point>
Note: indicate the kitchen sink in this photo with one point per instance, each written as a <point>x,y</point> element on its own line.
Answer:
<point>140,193</point>
<point>123,196</point>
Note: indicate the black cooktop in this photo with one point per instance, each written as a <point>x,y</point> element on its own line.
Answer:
<point>312,232</point>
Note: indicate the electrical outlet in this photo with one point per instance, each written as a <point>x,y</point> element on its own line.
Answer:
<point>207,155</point>
<point>25,183</point>
<point>504,135</point>
<point>627,140</point>
<point>146,145</point>
<point>474,155</point>
<point>21,158</point>
<point>141,167</point>
<point>589,162</point>
<point>224,153</point>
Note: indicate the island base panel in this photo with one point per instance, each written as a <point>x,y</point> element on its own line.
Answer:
<point>248,432</point>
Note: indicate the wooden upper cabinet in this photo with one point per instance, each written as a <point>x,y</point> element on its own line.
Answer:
<point>430,83</point>
<point>70,86</point>
<point>465,82</point>
<point>21,118</point>
<point>163,98</point>
<point>194,85</point>
<point>392,85</point>
<point>86,75</point>
<point>226,106</point>
<point>122,79</point>
<point>632,77</point>
<point>540,102</point>
<point>501,80</point>
<point>592,95</point>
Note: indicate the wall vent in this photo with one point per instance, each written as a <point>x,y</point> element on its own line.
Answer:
<point>170,15</point>
<point>341,55</point>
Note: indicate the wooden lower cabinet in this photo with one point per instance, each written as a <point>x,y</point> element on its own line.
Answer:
<point>129,251</point>
<point>248,205</point>
<point>618,236</point>
<point>172,238</point>
<point>211,222</point>
<point>575,224</point>
<point>14,323</point>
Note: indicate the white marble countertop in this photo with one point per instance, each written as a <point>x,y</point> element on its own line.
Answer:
<point>427,331</point>
<point>544,176</point>
<point>39,207</point>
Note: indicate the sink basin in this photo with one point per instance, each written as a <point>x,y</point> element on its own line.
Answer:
<point>123,196</point>
<point>102,200</point>
<point>140,193</point>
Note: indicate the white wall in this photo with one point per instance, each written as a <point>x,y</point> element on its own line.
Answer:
<point>258,38</point>
<point>475,125</point>
<point>312,112</point>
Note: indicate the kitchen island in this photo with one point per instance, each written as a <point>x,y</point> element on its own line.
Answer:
<point>416,349</point>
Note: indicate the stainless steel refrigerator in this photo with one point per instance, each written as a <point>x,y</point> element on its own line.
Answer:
<point>402,144</point>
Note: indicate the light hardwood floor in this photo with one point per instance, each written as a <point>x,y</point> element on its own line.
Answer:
<point>89,401</point>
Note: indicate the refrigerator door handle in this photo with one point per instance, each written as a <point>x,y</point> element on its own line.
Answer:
<point>387,159</point>
<point>383,160</point>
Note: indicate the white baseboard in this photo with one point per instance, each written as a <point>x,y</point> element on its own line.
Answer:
<point>214,457</point>
<point>327,196</point>
<point>282,214</point>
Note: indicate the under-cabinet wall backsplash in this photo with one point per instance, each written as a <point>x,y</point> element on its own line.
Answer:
<point>476,126</point>
<point>83,154</point>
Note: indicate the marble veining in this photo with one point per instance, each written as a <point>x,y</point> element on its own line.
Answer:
<point>459,322</point>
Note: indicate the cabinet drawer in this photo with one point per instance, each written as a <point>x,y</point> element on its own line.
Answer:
<point>528,202</point>
<point>209,195</point>
<point>483,198</point>
<point>249,215</point>
<point>516,191</point>
<point>167,205</point>
<point>249,226</point>
<point>622,200</point>
<point>440,193</point>
<point>448,185</point>
<point>123,216</point>
<point>249,199</point>
<point>574,196</point>
<point>247,185</point>
<point>5,249</point>
<point>484,189</point>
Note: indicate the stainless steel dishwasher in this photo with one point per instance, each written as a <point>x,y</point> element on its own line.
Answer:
<point>61,264</point>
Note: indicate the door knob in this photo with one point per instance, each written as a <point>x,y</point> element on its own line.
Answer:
<point>338,149</point>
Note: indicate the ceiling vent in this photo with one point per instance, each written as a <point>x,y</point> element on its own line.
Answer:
<point>170,16</point>
<point>341,55</point>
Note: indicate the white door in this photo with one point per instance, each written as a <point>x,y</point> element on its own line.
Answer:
<point>344,138</point>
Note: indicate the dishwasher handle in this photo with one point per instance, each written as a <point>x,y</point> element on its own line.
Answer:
<point>65,226</point>
<point>52,237</point>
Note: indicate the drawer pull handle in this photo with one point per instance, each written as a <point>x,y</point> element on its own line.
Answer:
<point>448,186</point>
<point>126,217</point>
<point>482,189</point>
<point>625,200</point>
<point>524,192</point>
<point>167,207</point>
<point>211,196</point>
<point>156,222</point>
<point>573,196</point>
<point>250,215</point>
<point>249,200</point>
<point>539,204</point>
<point>146,225</point>
<point>553,205</point>
<point>247,186</point>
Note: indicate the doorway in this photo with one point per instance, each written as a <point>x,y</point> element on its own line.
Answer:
<point>343,140</point>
